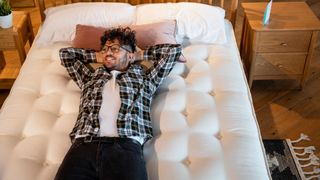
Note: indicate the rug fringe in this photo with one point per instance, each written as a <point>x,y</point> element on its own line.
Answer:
<point>306,150</point>
<point>305,159</point>
<point>302,137</point>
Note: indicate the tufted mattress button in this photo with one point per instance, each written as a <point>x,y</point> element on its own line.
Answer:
<point>186,162</point>
<point>212,93</point>
<point>23,136</point>
<point>45,163</point>
<point>185,113</point>
<point>219,136</point>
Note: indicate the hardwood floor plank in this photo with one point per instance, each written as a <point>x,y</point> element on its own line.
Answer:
<point>289,98</point>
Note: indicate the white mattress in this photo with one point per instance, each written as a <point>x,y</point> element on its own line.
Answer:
<point>203,119</point>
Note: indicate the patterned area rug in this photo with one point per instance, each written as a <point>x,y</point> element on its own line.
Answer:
<point>288,161</point>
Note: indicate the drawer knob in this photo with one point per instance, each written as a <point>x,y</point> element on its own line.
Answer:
<point>280,66</point>
<point>284,44</point>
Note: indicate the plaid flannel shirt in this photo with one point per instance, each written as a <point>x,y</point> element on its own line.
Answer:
<point>137,87</point>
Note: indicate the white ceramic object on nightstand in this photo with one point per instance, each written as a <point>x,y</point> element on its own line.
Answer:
<point>6,21</point>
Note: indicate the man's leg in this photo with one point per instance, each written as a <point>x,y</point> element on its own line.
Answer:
<point>122,160</point>
<point>79,163</point>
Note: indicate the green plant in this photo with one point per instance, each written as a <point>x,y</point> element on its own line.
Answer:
<point>5,8</point>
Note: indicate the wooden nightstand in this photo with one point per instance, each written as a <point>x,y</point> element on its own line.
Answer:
<point>283,48</point>
<point>14,38</point>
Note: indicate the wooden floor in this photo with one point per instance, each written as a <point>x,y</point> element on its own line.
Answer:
<point>285,113</point>
<point>281,112</point>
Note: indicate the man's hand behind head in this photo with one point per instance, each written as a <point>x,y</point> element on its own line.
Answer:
<point>100,57</point>
<point>138,55</point>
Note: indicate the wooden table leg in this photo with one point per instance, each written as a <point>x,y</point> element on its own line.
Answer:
<point>31,38</point>
<point>20,48</point>
<point>2,60</point>
<point>250,83</point>
<point>31,34</point>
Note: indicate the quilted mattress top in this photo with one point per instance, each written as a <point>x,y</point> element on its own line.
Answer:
<point>203,121</point>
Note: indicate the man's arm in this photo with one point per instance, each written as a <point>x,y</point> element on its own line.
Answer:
<point>75,60</point>
<point>165,57</point>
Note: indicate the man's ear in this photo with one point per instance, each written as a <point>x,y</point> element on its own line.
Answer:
<point>130,57</point>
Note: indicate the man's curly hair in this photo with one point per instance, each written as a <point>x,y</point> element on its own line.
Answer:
<point>125,35</point>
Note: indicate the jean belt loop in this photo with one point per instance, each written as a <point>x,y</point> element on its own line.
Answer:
<point>87,139</point>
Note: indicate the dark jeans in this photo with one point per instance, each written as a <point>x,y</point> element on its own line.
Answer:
<point>103,159</point>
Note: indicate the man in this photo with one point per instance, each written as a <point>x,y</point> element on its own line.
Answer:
<point>114,114</point>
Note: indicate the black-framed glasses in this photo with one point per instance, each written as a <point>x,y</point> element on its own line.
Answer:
<point>115,48</point>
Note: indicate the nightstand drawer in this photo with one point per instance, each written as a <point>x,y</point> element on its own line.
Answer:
<point>280,64</point>
<point>289,41</point>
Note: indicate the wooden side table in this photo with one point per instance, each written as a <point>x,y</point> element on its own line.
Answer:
<point>15,38</point>
<point>283,48</point>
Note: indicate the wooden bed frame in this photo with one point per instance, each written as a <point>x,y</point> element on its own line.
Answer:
<point>230,6</point>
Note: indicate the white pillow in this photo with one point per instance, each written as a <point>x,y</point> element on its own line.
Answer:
<point>198,22</point>
<point>61,21</point>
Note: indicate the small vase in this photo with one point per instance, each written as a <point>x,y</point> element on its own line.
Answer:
<point>6,21</point>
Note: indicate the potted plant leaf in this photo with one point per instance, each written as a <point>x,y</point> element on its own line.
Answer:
<point>5,14</point>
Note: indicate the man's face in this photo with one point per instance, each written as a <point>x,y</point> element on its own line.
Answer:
<point>116,56</point>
